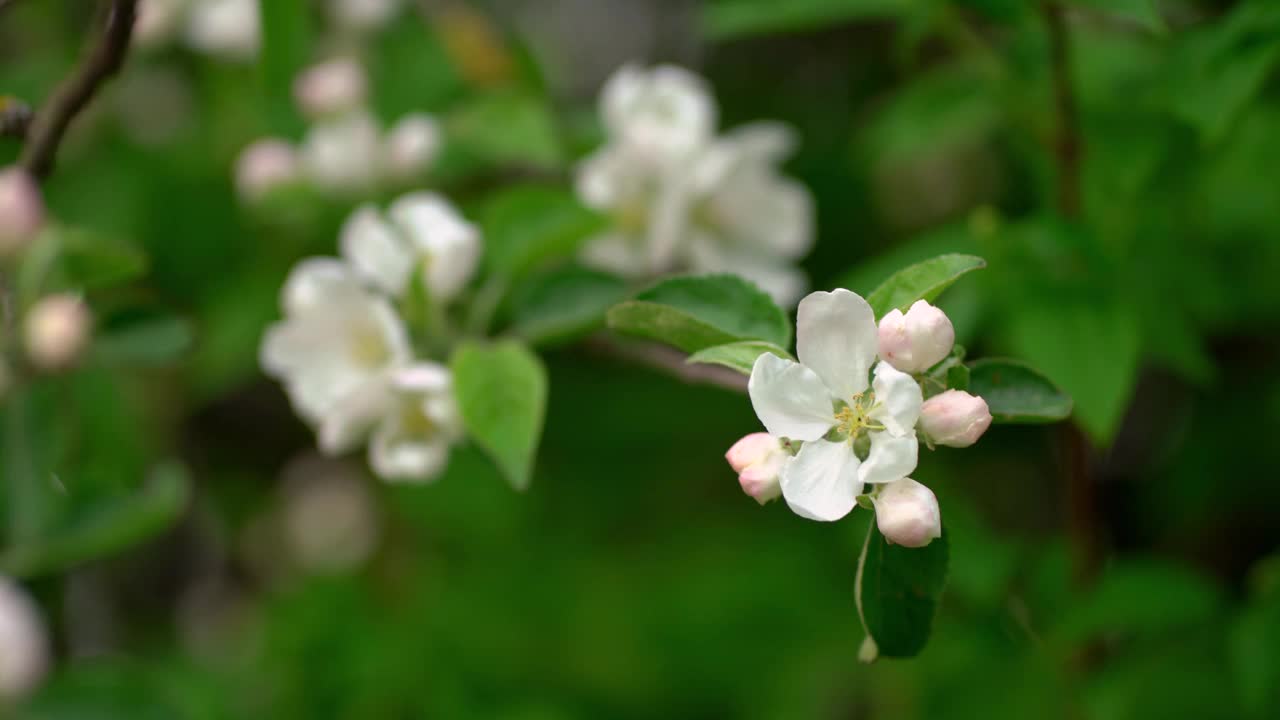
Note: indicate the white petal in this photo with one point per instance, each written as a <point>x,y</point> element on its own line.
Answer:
<point>390,328</point>
<point>836,336</point>
<point>821,481</point>
<point>765,141</point>
<point>616,252</point>
<point>349,419</point>
<point>314,280</point>
<point>898,399</point>
<point>397,457</point>
<point>423,377</point>
<point>892,458</point>
<point>450,244</point>
<point>790,399</point>
<point>370,244</point>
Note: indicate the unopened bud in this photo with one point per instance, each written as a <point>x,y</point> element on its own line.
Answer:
<point>341,155</point>
<point>918,340</point>
<point>264,166</point>
<point>363,15</point>
<point>57,331</point>
<point>411,146</point>
<point>21,210</point>
<point>331,88</point>
<point>230,29</point>
<point>24,650</point>
<point>955,418</point>
<point>758,459</point>
<point>907,513</point>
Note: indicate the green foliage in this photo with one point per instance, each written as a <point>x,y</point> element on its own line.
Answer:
<point>527,226</point>
<point>693,313</point>
<point>507,129</point>
<point>740,356</point>
<point>564,304</point>
<point>898,591</point>
<point>139,336</point>
<point>502,394</point>
<point>922,281</point>
<point>727,19</point>
<point>1016,393</point>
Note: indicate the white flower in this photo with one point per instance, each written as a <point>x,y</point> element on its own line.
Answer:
<point>823,400</point>
<point>411,146</point>
<point>21,210</point>
<point>918,340</point>
<point>330,88</point>
<point>227,28</point>
<point>158,21</point>
<point>57,331</point>
<point>412,442</point>
<point>343,154</point>
<point>363,15</point>
<point>336,348</point>
<point>758,459</point>
<point>24,649</point>
<point>664,113</point>
<point>264,166</point>
<point>907,513</point>
<point>420,231</point>
<point>955,418</point>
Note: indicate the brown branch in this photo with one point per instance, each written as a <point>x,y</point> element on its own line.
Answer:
<point>104,59</point>
<point>669,361</point>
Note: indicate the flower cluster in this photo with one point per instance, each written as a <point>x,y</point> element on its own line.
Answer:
<point>847,419</point>
<point>345,151</point>
<point>682,198</point>
<point>344,352</point>
<point>226,29</point>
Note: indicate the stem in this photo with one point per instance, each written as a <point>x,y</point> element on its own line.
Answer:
<point>670,361</point>
<point>102,61</point>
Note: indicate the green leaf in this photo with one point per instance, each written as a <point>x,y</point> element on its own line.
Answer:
<point>696,312</point>
<point>286,49</point>
<point>141,337</point>
<point>530,225</point>
<point>740,356</point>
<point>1140,596</point>
<point>77,260</point>
<point>506,128</point>
<point>502,394</point>
<point>564,304</point>
<point>958,377</point>
<point>922,281</point>
<point>727,19</point>
<point>106,529</point>
<point>1016,393</point>
<point>1143,12</point>
<point>898,590</point>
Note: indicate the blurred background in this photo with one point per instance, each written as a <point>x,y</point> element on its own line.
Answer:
<point>1114,162</point>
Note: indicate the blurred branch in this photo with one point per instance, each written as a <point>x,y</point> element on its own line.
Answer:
<point>103,60</point>
<point>669,360</point>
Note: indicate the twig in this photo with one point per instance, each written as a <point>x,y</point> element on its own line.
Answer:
<point>15,117</point>
<point>668,360</point>
<point>103,60</point>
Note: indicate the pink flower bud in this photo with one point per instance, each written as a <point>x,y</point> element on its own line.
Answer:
<point>24,644</point>
<point>758,458</point>
<point>907,513</point>
<point>918,340</point>
<point>330,88</point>
<point>21,210</point>
<point>57,331</point>
<point>411,145</point>
<point>265,165</point>
<point>955,418</point>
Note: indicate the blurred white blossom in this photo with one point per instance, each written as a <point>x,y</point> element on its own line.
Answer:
<point>411,442</point>
<point>264,166</point>
<point>229,29</point>
<point>411,146</point>
<point>24,650</point>
<point>22,210</point>
<point>363,15</point>
<point>328,515</point>
<point>681,198</point>
<point>56,331</point>
<point>341,154</point>
<point>331,88</point>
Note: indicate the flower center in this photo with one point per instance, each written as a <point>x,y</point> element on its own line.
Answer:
<point>854,418</point>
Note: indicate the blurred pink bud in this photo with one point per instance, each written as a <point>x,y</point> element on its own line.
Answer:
<point>955,418</point>
<point>918,340</point>
<point>330,88</point>
<point>907,513</point>
<point>21,210</point>
<point>411,145</point>
<point>265,165</point>
<point>57,331</point>
<point>24,648</point>
<point>758,459</point>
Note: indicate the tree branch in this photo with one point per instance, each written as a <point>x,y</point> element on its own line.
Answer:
<point>103,59</point>
<point>669,361</point>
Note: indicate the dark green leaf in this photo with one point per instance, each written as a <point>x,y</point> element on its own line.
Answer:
<point>1137,596</point>
<point>530,225</point>
<point>922,281</point>
<point>741,18</point>
<point>502,394</point>
<point>740,356</point>
<point>1016,393</point>
<point>141,337</point>
<point>958,377</point>
<point>564,304</point>
<point>898,590</point>
<point>1143,12</point>
<point>696,312</point>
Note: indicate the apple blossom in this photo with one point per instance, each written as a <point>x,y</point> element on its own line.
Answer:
<point>231,29</point>
<point>21,210</point>
<point>24,645</point>
<point>664,112</point>
<point>264,166</point>
<point>363,15</point>
<point>907,513</point>
<point>918,340</point>
<point>330,88</point>
<point>342,154</point>
<point>337,346</point>
<point>827,401</point>
<point>411,145</point>
<point>420,231</point>
<point>158,21</point>
<point>954,418</point>
<point>758,458</point>
<point>57,331</point>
